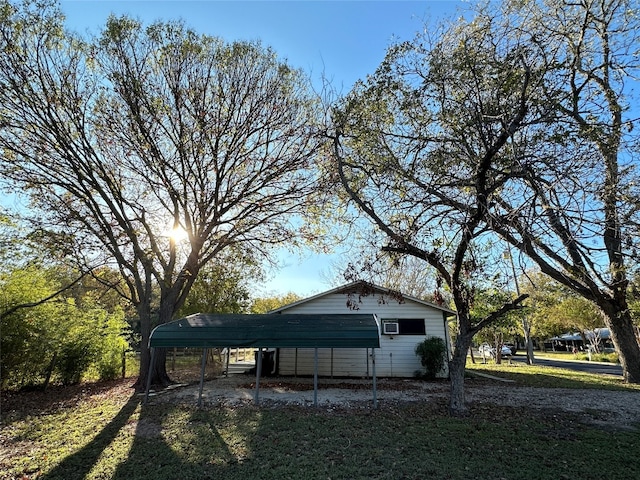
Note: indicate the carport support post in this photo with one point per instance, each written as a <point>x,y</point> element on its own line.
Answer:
<point>204,362</point>
<point>315,378</point>
<point>153,357</point>
<point>258,373</point>
<point>373,363</point>
<point>367,362</point>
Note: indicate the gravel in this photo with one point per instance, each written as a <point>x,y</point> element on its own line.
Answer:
<point>612,409</point>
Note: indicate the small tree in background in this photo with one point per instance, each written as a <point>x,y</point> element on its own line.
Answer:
<point>223,286</point>
<point>112,345</point>
<point>504,328</point>
<point>266,304</point>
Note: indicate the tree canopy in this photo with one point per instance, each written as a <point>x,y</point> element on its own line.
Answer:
<point>122,138</point>
<point>508,126</point>
<point>422,146</point>
<point>573,207</point>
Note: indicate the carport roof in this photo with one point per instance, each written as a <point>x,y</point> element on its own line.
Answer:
<point>268,331</point>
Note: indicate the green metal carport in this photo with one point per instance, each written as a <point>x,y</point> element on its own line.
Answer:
<point>207,330</point>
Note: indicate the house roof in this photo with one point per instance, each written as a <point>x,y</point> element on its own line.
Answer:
<point>269,330</point>
<point>601,333</point>
<point>369,287</point>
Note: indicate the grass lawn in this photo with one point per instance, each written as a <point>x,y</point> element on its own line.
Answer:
<point>102,431</point>
<point>541,376</point>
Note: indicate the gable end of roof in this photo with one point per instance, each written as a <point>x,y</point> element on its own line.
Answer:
<point>364,288</point>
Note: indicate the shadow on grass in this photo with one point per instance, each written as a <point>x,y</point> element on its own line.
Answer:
<point>398,441</point>
<point>164,440</point>
<point>80,463</point>
<point>546,376</point>
<point>174,441</point>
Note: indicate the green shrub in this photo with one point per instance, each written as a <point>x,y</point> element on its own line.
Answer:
<point>432,355</point>
<point>112,345</point>
<point>109,365</point>
<point>599,357</point>
<point>57,341</point>
<point>24,334</point>
<point>73,361</point>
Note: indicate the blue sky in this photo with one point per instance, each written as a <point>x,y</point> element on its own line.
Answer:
<point>345,39</point>
<point>342,40</point>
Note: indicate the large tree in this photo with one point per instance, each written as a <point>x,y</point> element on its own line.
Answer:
<point>424,145</point>
<point>223,286</point>
<point>576,212</point>
<point>121,138</point>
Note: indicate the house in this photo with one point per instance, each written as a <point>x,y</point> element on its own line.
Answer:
<point>402,321</point>
<point>599,337</point>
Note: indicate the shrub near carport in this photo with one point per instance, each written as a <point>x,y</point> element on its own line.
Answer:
<point>432,356</point>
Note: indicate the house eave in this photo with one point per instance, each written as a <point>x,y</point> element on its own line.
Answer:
<point>352,285</point>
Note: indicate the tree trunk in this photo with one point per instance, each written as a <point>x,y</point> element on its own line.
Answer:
<point>624,339</point>
<point>158,370</point>
<point>159,375</point>
<point>528,342</point>
<point>473,358</point>
<point>457,365</point>
<point>50,368</point>
<point>498,348</point>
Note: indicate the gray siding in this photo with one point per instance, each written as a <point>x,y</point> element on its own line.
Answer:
<point>394,358</point>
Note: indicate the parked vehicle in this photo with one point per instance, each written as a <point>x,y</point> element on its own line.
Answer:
<point>487,350</point>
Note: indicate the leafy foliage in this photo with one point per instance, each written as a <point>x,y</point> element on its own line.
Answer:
<point>432,352</point>
<point>555,309</point>
<point>122,137</point>
<point>222,286</point>
<point>58,340</point>
<point>504,328</point>
<point>25,335</point>
<point>267,304</point>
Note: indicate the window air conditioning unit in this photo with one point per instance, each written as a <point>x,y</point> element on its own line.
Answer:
<point>390,328</point>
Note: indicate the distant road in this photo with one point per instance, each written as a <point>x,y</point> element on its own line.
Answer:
<point>589,367</point>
